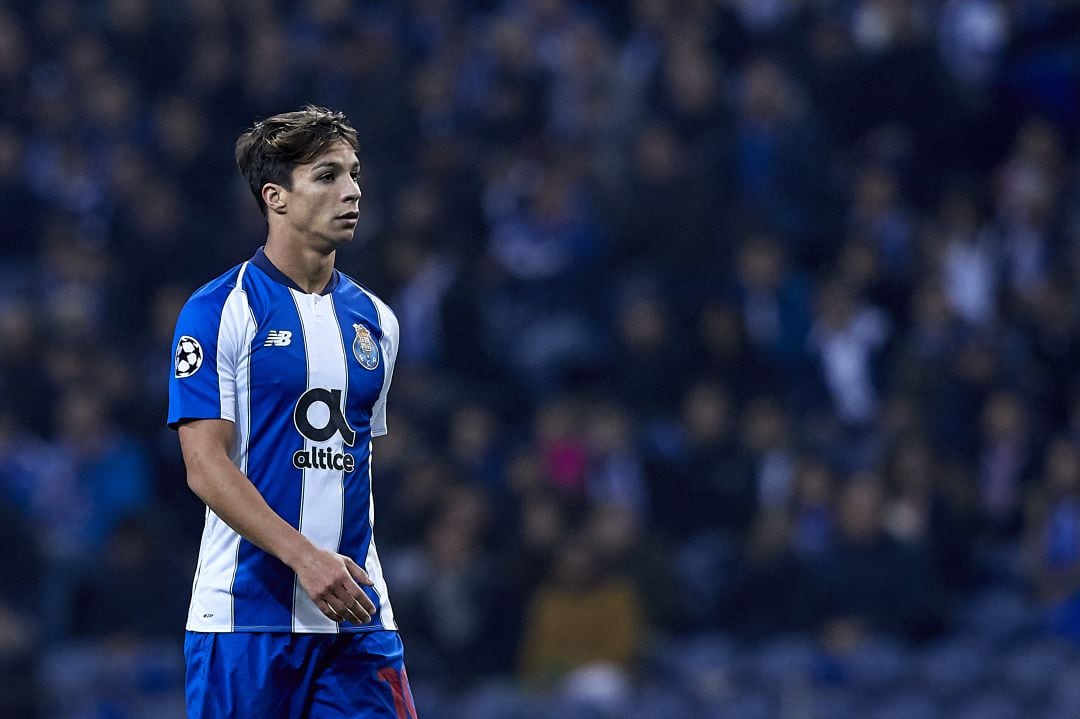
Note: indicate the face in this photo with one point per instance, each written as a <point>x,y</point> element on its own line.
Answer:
<point>322,207</point>
<point>860,509</point>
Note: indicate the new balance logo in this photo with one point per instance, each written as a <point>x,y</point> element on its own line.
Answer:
<point>278,338</point>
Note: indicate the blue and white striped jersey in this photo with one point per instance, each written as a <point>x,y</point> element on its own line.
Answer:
<point>304,378</point>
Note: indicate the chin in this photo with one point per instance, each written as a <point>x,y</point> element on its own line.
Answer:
<point>329,243</point>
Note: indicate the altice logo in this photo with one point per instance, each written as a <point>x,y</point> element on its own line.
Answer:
<point>323,457</point>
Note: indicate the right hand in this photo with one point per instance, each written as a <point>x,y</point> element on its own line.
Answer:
<point>333,582</point>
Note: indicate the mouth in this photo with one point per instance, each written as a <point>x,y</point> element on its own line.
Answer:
<point>349,216</point>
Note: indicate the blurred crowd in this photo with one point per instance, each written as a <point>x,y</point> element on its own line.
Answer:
<point>737,316</point>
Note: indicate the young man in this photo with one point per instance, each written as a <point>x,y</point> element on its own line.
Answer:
<point>282,367</point>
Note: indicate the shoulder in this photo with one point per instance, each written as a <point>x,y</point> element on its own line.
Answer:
<point>387,319</point>
<point>215,305</point>
<point>217,290</point>
<point>211,297</point>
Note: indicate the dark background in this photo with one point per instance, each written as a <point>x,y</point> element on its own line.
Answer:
<point>739,344</point>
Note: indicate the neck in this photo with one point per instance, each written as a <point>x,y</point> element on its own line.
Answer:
<point>309,268</point>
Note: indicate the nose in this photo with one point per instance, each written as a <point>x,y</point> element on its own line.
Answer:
<point>352,191</point>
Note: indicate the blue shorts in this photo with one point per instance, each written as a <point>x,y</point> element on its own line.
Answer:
<point>357,675</point>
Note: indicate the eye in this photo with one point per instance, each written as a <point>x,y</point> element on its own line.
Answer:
<point>327,177</point>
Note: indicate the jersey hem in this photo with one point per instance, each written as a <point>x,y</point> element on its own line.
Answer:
<point>286,629</point>
<point>175,423</point>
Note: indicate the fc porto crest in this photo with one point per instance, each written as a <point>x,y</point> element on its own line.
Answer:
<point>364,348</point>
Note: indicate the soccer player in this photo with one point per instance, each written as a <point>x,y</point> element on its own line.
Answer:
<point>282,367</point>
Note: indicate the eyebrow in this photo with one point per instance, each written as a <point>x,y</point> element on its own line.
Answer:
<point>333,165</point>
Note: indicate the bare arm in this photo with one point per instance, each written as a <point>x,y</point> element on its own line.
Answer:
<point>330,579</point>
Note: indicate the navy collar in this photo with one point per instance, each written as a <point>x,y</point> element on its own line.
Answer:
<point>263,262</point>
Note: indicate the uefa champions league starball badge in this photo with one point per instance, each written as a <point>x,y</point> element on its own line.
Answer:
<point>189,357</point>
<point>365,348</point>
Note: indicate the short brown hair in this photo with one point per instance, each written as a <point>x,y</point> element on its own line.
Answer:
<point>270,150</point>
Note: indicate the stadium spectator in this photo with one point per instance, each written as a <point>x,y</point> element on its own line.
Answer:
<point>603,227</point>
<point>587,613</point>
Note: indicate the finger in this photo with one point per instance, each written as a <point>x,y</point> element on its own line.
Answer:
<point>343,612</point>
<point>358,572</point>
<point>351,608</point>
<point>357,615</point>
<point>353,612</point>
<point>354,593</point>
<point>364,604</point>
<point>360,610</point>
<point>329,611</point>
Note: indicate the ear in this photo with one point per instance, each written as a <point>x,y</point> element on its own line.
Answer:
<point>274,197</point>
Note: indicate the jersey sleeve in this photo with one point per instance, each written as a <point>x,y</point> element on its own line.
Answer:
<point>206,354</point>
<point>389,345</point>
